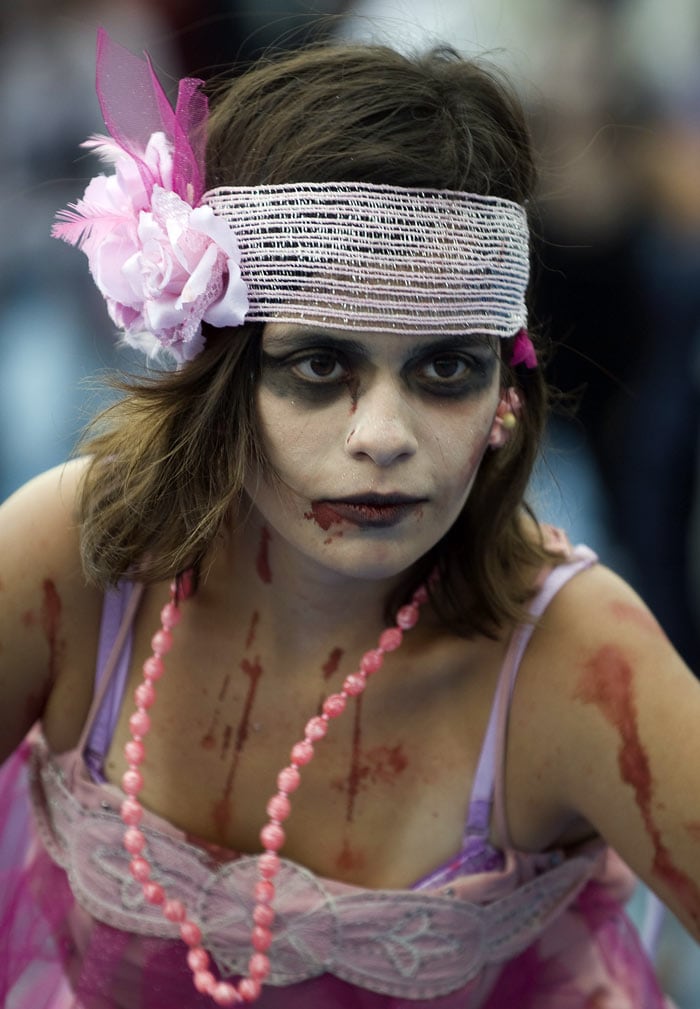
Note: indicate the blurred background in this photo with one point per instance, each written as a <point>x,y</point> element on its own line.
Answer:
<point>612,88</point>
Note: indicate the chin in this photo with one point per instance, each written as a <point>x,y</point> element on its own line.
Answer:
<point>370,562</point>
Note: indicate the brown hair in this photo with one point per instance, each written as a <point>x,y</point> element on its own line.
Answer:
<point>169,459</point>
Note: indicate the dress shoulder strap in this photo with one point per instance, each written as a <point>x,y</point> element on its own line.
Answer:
<point>113,656</point>
<point>488,787</point>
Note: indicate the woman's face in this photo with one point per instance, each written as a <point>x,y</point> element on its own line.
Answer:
<point>374,439</point>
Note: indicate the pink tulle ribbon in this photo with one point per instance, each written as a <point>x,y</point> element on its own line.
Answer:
<point>523,350</point>
<point>135,106</point>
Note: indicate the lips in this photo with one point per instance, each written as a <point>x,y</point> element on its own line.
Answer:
<point>376,511</point>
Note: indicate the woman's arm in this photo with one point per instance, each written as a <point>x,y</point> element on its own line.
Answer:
<point>47,613</point>
<point>624,721</point>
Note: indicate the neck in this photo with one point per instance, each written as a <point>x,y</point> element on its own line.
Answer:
<point>299,600</point>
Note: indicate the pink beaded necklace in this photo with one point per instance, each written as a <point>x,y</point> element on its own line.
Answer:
<point>272,836</point>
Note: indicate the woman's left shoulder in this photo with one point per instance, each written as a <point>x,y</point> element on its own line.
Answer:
<point>597,605</point>
<point>617,730</point>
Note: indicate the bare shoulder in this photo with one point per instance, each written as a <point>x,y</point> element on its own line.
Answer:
<point>597,634</point>
<point>593,604</point>
<point>49,614</point>
<point>617,712</point>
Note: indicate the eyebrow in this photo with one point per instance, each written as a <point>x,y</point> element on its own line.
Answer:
<point>315,335</point>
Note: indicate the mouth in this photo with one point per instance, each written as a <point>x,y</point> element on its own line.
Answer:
<point>375,511</point>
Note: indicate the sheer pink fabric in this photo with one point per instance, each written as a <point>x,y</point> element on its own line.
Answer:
<point>134,106</point>
<point>56,954</point>
<point>541,931</point>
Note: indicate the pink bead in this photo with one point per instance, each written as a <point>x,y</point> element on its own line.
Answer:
<point>131,812</point>
<point>191,933</point>
<point>225,994</point>
<point>288,779</point>
<point>272,836</point>
<point>420,596</point>
<point>134,751</point>
<point>371,661</point>
<point>249,989</point>
<point>154,892</point>
<point>263,891</point>
<point>316,728</point>
<point>407,616</point>
<point>354,684</point>
<point>144,695</point>
<point>334,705</point>
<point>132,781</point>
<point>391,639</point>
<point>197,959</point>
<point>140,869</point>
<point>263,915</point>
<point>174,910</point>
<point>170,616</point>
<point>134,841</point>
<point>162,642</point>
<point>262,938</point>
<point>279,807</point>
<point>259,966</point>
<point>302,752</point>
<point>269,864</point>
<point>204,982</point>
<point>139,723</point>
<point>153,668</point>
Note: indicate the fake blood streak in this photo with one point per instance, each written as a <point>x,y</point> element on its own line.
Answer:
<point>380,765</point>
<point>323,515</point>
<point>607,682</point>
<point>208,741</point>
<point>354,386</point>
<point>636,615</point>
<point>252,629</point>
<point>350,859</point>
<point>263,561</point>
<point>222,809</point>
<point>353,783</point>
<point>330,666</point>
<point>50,622</point>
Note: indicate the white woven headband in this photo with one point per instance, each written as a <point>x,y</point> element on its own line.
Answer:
<point>168,256</point>
<point>362,256</point>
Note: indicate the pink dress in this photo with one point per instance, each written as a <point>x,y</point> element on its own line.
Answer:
<point>488,930</point>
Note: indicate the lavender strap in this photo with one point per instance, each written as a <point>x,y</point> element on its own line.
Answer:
<point>113,657</point>
<point>485,779</point>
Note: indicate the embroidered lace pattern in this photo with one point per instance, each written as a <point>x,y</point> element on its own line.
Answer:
<point>410,944</point>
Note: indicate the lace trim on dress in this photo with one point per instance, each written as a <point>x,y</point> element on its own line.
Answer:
<point>410,944</point>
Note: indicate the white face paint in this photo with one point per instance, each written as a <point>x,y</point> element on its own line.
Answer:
<point>375,440</point>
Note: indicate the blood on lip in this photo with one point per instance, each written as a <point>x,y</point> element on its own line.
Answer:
<point>323,515</point>
<point>327,513</point>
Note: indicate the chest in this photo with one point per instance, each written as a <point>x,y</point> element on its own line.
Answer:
<point>385,797</point>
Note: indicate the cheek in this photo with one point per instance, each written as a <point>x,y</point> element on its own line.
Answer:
<point>285,433</point>
<point>462,446</point>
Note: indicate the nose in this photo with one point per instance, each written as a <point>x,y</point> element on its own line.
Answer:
<point>381,427</point>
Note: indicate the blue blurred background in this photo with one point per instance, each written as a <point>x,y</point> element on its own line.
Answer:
<point>612,88</point>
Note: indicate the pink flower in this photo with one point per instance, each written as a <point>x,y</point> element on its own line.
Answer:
<point>162,266</point>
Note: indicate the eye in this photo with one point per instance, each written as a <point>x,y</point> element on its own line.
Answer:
<point>446,368</point>
<point>321,366</point>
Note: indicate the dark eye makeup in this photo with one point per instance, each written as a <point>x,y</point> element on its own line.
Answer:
<point>319,367</point>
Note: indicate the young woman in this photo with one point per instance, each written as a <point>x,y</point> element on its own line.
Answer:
<point>320,715</point>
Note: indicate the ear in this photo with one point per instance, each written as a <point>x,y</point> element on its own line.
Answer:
<point>507,413</point>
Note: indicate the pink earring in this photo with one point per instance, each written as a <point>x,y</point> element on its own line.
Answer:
<point>506,418</point>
